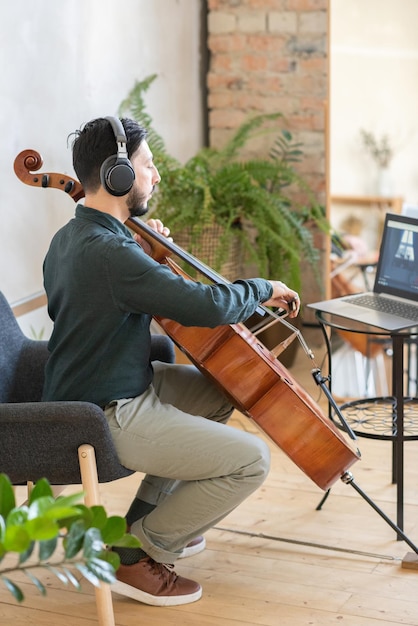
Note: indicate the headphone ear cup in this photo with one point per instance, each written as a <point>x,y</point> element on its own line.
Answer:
<point>117,175</point>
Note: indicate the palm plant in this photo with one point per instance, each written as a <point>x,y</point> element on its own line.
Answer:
<point>252,200</point>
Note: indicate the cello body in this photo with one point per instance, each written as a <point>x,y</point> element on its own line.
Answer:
<point>259,386</point>
<point>252,378</point>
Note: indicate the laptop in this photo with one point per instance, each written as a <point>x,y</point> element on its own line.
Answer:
<point>393,303</point>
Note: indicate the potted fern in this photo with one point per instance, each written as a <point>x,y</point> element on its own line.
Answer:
<point>247,200</point>
<point>237,215</point>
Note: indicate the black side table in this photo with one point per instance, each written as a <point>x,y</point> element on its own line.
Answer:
<point>393,418</point>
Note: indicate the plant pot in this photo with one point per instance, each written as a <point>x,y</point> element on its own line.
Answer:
<point>206,250</point>
<point>384,182</point>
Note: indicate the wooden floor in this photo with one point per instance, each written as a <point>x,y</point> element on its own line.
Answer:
<point>275,560</point>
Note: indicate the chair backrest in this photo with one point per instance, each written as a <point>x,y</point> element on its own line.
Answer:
<point>22,360</point>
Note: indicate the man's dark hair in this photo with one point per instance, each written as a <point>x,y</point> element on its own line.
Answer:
<point>95,142</point>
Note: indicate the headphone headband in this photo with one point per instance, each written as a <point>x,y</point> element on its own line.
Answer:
<point>119,132</point>
<point>116,173</point>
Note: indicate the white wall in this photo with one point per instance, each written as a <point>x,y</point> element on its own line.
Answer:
<point>374,85</point>
<point>64,62</point>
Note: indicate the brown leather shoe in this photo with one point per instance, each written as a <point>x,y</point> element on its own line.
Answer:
<point>155,583</point>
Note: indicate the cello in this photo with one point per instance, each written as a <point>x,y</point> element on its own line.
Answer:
<point>233,357</point>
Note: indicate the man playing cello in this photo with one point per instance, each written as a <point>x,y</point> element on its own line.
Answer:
<point>167,421</point>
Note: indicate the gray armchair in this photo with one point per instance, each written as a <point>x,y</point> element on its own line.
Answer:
<point>65,442</point>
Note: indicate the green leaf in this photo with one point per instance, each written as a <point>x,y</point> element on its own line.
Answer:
<point>73,542</point>
<point>41,529</point>
<point>111,557</point>
<point>72,579</point>
<point>102,569</point>
<point>38,506</point>
<point>99,517</point>
<point>92,578</point>
<point>113,530</point>
<point>16,539</point>
<point>24,556</point>
<point>7,496</point>
<point>18,516</point>
<point>41,489</point>
<point>60,575</point>
<point>47,506</point>
<point>71,500</point>
<point>47,548</point>
<point>127,541</point>
<point>14,589</point>
<point>60,511</point>
<point>36,582</point>
<point>83,513</point>
<point>93,543</point>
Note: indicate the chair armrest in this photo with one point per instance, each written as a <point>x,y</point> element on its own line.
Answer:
<point>41,439</point>
<point>162,349</point>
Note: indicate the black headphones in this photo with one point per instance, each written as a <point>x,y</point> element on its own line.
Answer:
<point>116,173</point>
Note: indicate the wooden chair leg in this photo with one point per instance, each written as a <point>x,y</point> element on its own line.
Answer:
<point>88,469</point>
<point>29,487</point>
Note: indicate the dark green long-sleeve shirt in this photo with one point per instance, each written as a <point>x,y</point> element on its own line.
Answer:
<point>102,291</point>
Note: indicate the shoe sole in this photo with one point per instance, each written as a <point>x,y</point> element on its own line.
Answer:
<point>190,551</point>
<point>147,598</point>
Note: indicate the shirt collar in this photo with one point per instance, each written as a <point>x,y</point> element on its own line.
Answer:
<point>104,219</point>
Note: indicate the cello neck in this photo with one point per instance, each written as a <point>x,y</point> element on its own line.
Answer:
<point>164,245</point>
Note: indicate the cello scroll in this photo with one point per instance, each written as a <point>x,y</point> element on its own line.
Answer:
<point>29,161</point>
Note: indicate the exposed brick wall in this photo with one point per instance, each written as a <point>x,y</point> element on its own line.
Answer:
<point>268,56</point>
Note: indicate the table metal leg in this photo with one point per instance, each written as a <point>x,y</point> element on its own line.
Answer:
<point>398,431</point>
<point>398,442</point>
<point>329,358</point>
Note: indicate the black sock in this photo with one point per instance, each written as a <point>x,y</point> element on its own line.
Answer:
<point>139,508</point>
<point>129,556</point>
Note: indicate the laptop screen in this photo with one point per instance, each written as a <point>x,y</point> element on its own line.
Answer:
<point>397,269</point>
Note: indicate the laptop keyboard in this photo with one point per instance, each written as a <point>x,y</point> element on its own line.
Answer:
<point>386,305</point>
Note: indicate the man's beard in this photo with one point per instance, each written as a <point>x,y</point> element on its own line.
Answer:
<point>137,203</point>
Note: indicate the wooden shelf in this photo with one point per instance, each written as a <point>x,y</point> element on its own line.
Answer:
<point>387,203</point>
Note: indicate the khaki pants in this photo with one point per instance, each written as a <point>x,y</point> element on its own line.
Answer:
<point>197,468</point>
